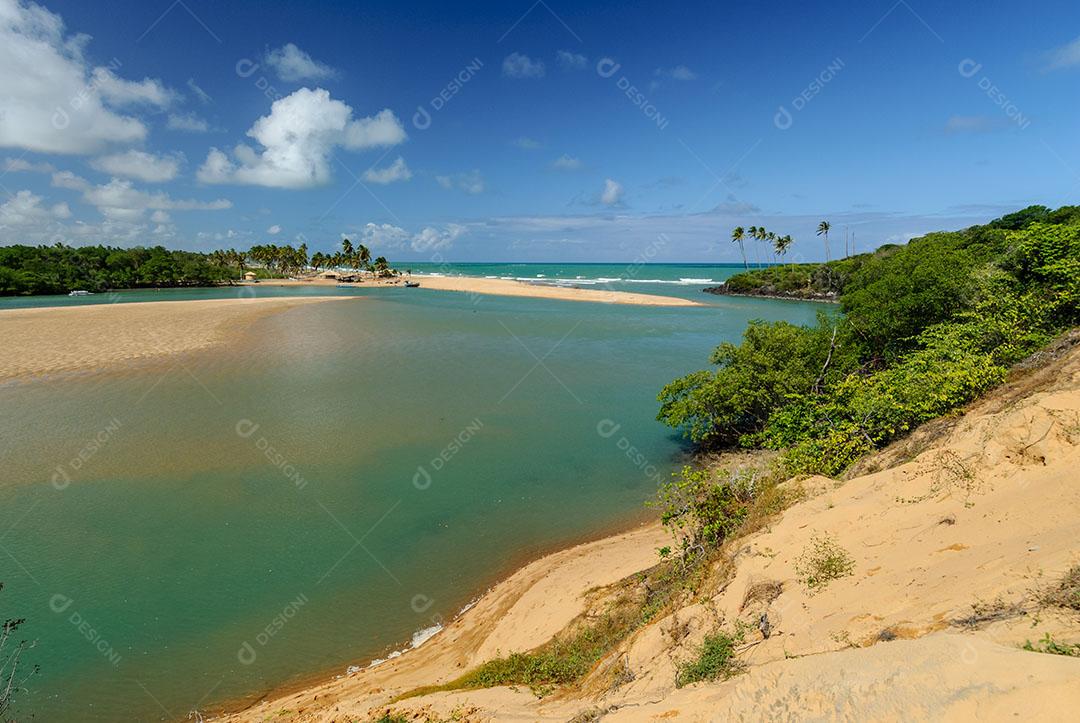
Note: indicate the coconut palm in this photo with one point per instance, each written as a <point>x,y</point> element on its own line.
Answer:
<point>823,230</point>
<point>737,236</point>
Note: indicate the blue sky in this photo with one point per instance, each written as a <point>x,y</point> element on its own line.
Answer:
<point>588,131</point>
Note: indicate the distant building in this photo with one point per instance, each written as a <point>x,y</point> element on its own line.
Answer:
<point>250,276</point>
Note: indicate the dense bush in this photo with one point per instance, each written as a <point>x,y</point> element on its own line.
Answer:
<point>59,269</point>
<point>925,328</point>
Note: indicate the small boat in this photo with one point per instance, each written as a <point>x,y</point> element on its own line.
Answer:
<point>79,292</point>
<point>411,284</point>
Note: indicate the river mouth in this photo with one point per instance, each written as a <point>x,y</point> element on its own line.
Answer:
<point>311,495</point>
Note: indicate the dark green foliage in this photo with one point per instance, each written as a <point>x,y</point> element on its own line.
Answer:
<point>715,660</point>
<point>774,362</point>
<point>59,269</point>
<point>927,327</point>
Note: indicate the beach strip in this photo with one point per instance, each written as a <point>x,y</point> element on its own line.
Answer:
<point>504,287</point>
<point>48,340</point>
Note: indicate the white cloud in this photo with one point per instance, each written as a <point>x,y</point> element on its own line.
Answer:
<point>1066,56</point>
<point>381,236</point>
<point>67,179</point>
<point>188,122</point>
<point>201,94</point>
<point>274,230</point>
<point>120,200</point>
<point>28,209</point>
<point>433,239</point>
<point>471,183</point>
<point>298,137</point>
<point>292,64</point>
<point>612,193</point>
<point>566,163</point>
<point>396,171</point>
<point>17,165</point>
<point>53,100</point>
<point>526,143</point>
<point>679,72</point>
<point>160,217</point>
<point>571,61</point>
<point>120,93</point>
<point>139,164</point>
<point>518,65</point>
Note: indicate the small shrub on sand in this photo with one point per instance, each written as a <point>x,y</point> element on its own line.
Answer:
<point>822,562</point>
<point>715,660</point>
<point>1053,647</point>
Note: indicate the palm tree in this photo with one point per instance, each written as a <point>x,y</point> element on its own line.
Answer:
<point>823,230</point>
<point>760,234</point>
<point>737,236</point>
<point>770,240</point>
<point>781,244</point>
<point>363,257</point>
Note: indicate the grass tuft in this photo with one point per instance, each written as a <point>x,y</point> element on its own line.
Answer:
<point>715,660</point>
<point>822,562</point>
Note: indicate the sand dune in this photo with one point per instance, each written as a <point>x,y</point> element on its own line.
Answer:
<point>95,336</point>
<point>979,520</point>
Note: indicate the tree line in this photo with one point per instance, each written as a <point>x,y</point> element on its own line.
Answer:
<point>59,268</point>
<point>923,328</point>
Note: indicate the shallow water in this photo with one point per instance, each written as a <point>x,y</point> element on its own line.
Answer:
<point>209,527</point>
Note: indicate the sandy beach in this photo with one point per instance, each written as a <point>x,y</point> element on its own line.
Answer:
<point>63,339</point>
<point>930,625</point>
<point>504,287</point>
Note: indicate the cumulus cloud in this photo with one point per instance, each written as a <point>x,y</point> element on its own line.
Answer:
<point>571,61</point>
<point>396,171</point>
<point>292,65</point>
<point>1066,56</point>
<point>54,101</point>
<point>28,209</point>
<point>139,164</point>
<point>297,139</point>
<point>17,165</point>
<point>518,65</point>
<point>187,122</point>
<point>121,93</point>
<point>566,163</point>
<point>120,200</point>
<point>612,194</point>
<point>471,183</point>
<point>274,230</point>
<point>381,236</point>
<point>434,239</point>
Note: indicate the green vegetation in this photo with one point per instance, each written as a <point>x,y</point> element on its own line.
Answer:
<point>822,562</point>
<point>58,269</point>
<point>715,660</point>
<point>1053,647</point>
<point>924,328</point>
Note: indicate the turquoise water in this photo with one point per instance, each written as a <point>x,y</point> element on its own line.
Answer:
<point>683,280</point>
<point>204,529</point>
